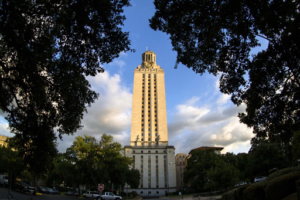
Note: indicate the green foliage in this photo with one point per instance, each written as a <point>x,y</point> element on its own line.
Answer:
<point>90,162</point>
<point>198,164</point>
<point>217,37</point>
<point>9,161</point>
<point>282,186</point>
<point>254,192</point>
<point>47,50</point>
<point>282,172</point>
<point>230,195</point>
<point>222,175</point>
<point>296,147</point>
<point>206,169</point>
<point>240,191</point>
<point>133,178</point>
<point>264,157</point>
<point>242,159</point>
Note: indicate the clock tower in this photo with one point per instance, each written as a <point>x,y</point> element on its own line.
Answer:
<point>149,147</point>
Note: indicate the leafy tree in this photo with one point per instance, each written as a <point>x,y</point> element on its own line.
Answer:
<point>265,157</point>
<point>230,158</point>
<point>217,36</point>
<point>198,164</point>
<point>65,170</point>
<point>242,165</point>
<point>296,147</point>
<point>223,175</point>
<point>90,162</point>
<point>133,178</point>
<point>38,152</point>
<point>47,48</point>
<point>9,161</point>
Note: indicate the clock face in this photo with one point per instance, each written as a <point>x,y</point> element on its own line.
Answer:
<point>148,65</point>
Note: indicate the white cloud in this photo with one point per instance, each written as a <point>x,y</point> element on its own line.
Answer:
<point>123,54</point>
<point>223,99</point>
<point>4,129</point>
<point>192,126</point>
<point>110,114</point>
<point>117,62</point>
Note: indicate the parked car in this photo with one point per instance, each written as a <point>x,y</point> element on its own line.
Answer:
<point>50,191</point>
<point>56,191</point>
<point>109,196</point>
<point>89,194</point>
<point>3,180</point>
<point>241,183</point>
<point>71,193</point>
<point>43,190</point>
<point>259,178</point>
<point>24,186</point>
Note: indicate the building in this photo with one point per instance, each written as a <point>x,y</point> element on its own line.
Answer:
<point>180,160</point>
<point>149,147</point>
<point>217,150</point>
<point>3,140</point>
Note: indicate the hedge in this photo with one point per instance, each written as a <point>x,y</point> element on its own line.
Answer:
<point>282,186</point>
<point>282,172</point>
<point>255,191</point>
<point>240,191</point>
<point>230,195</point>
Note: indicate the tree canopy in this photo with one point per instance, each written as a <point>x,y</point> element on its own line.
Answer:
<point>206,169</point>
<point>91,162</point>
<point>47,49</point>
<point>217,37</point>
<point>265,157</point>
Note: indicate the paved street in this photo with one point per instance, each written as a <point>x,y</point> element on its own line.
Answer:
<point>19,196</point>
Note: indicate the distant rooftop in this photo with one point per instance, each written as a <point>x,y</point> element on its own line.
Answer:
<point>205,147</point>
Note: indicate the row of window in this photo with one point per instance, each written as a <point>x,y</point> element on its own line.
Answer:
<point>155,111</point>
<point>150,151</point>
<point>150,157</point>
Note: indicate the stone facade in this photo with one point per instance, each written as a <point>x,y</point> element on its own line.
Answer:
<point>180,160</point>
<point>149,148</point>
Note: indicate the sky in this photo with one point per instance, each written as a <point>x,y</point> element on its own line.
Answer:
<point>198,114</point>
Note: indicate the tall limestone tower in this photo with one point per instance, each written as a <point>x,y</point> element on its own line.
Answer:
<point>149,148</point>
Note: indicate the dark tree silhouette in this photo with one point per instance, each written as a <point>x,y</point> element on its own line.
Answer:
<point>47,48</point>
<point>217,36</point>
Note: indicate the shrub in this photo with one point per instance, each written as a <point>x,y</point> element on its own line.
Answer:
<point>282,186</point>
<point>240,191</point>
<point>282,172</point>
<point>254,192</point>
<point>230,195</point>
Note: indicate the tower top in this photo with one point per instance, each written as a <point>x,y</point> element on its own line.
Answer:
<point>148,59</point>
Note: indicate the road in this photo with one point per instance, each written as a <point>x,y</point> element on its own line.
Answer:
<point>20,196</point>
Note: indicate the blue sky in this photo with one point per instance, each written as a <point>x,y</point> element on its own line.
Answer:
<point>198,113</point>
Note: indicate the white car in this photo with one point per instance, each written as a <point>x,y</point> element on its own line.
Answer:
<point>259,178</point>
<point>3,180</point>
<point>90,194</point>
